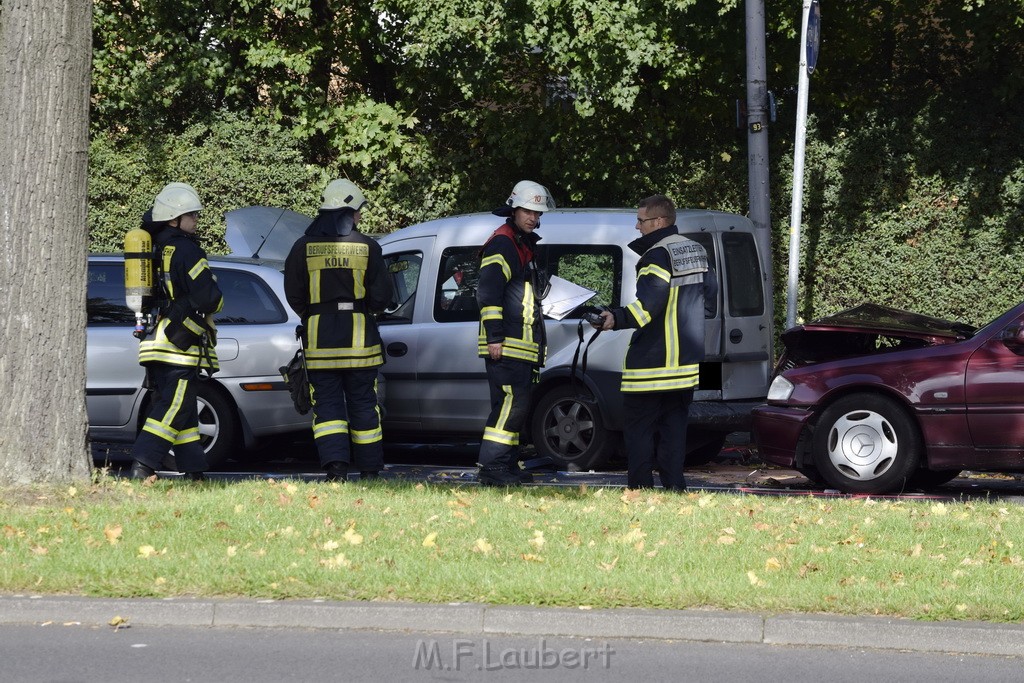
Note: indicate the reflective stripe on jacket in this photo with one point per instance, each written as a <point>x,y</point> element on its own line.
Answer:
<point>667,347</point>
<point>347,273</point>
<point>192,292</point>
<point>510,312</point>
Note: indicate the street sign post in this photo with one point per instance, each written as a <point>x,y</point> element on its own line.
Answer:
<point>810,36</point>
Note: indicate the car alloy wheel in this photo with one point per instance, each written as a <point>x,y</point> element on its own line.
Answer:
<point>571,431</point>
<point>866,443</point>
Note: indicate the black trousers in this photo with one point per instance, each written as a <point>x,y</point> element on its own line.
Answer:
<point>172,421</point>
<point>655,433</point>
<point>510,383</point>
<point>346,420</point>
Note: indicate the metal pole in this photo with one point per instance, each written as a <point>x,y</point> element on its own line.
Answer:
<point>758,190</point>
<point>798,176</point>
<point>757,132</point>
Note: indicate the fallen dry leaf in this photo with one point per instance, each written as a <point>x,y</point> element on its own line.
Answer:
<point>430,540</point>
<point>352,537</point>
<point>113,534</point>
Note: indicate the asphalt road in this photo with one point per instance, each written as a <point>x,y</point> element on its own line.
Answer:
<point>71,652</point>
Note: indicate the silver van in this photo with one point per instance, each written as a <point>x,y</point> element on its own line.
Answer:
<point>436,384</point>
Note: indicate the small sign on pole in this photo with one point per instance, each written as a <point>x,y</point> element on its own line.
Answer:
<point>813,38</point>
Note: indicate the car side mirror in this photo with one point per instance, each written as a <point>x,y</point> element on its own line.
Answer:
<point>1013,337</point>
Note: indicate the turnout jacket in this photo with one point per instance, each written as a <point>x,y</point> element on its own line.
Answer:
<point>675,282</point>
<point>510,311</point>
<point>190,292</point>
<point>335,283</point>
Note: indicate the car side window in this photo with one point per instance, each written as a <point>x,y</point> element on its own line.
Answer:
<point>458,277</point>
<point>105,303</point>
<point>705,240</point>
<point>404,269</point>
<point>743,275</point>
<point>248,300</point>
<point>594,266</point>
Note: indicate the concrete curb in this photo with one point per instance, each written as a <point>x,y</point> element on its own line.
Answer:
<point>696,625</point>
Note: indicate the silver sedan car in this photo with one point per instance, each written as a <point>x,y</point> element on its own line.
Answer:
<point>242,403</point>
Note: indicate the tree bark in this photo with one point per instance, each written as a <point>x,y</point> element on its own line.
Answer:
<point>45,58</point>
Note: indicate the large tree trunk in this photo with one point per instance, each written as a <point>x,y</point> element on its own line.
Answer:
<point>45,56</point>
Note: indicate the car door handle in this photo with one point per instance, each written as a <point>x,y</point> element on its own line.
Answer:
<point>736,336</point>
<point>397,349</point>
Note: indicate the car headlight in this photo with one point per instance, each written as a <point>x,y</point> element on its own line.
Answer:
<point>780,390</point>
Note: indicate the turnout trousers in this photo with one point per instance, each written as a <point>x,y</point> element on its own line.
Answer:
<point>173,420</point>
<point>510,382</point>
<point>655,433</point>
<point>346,419</point>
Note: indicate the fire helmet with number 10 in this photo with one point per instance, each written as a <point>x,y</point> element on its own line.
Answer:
<point>530,195</point>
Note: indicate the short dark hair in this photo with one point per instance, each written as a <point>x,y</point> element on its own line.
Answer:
<point>659,205</point>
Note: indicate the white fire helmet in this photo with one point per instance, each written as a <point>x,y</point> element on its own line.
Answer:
<point>530,195</point>
<point>175,200</point>
<point>342,194</point>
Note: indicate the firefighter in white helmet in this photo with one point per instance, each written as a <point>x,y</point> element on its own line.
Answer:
<point>511,338</point>
<point>335,279</point>
<point>183,342</point>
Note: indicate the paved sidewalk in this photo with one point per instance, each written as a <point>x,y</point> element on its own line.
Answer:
<point>465,618</point>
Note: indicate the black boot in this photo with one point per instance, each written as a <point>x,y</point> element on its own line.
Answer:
<point>516,471</point>
<point>497,477</point>
<point>336,471</point>
<point>141,470</point>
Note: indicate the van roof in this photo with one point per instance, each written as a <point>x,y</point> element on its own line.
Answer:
<point>606,225</point>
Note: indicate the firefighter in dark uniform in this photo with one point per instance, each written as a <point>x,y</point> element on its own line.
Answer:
<point>511,339</point>
<point>335,278</point>
<point>183,342</point>
<point>675,283</point>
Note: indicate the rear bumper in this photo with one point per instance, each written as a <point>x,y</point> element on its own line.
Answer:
<point>723,416</point>
<point>777,432</point>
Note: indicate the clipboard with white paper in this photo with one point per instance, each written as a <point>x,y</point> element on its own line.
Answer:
<point>564,297</point>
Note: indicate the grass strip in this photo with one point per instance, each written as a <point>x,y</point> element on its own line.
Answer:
<point>581,547</point>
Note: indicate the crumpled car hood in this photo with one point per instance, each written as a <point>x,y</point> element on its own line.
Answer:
<point>865,330</point>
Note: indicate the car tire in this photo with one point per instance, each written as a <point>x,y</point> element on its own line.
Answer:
<point>702,446</point>
<point>866,443</point>
<point>811,474</point>
<point>570,431</point>
<point>218,424</point>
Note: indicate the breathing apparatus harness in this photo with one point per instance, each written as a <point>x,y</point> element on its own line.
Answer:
<point>146,292</point>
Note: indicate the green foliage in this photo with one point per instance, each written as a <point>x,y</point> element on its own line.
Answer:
<point>915,170</point>
<point>232,163</point>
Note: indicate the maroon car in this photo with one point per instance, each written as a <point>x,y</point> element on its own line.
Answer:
<point>874,399</point>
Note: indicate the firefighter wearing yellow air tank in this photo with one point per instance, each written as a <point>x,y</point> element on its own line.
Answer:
<point>182,343</point>
<point>335,279</point>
